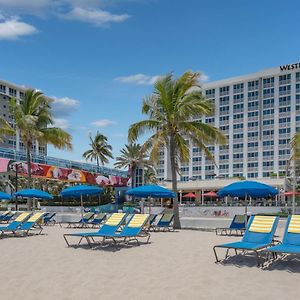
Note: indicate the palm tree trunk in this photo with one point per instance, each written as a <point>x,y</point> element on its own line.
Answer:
<point>29,180</point>
<point>132,174</point>
<point>176,223</point>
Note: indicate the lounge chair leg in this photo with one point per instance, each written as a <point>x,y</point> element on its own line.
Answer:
<point>215,252</point>
<point>235,252</point>
<point>148,237</point>
<point>66,240</point>
<point>80,241</point>
<point>257,257</point>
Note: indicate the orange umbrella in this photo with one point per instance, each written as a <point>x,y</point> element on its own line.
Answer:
<point>210,194</point>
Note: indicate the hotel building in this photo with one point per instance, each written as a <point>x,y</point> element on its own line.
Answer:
<point>7,91</point>
<point>259,114</point>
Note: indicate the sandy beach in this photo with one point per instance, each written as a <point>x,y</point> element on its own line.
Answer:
<point>176,265</point>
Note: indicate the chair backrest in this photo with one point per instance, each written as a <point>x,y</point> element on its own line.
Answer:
<point>18,221</point>
<point>35,217</point>
<point>166,219</point>
<point>48,216</point>
<point>260,229</point>
<point>152,218</point>
<point>87,216</point>
<point>100,216</point>
<point>112,223</point>
<point>135,224</point>
<point>238,222</point>
<point>4,213</point>
<point>292,230</point>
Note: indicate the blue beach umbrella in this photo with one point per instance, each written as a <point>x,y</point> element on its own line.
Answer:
<point>4,196</point>
<point>154,191</point>
<point>80,191</point>
<point>244,189</point>
<point>150,191</point>
<point>33,193</point>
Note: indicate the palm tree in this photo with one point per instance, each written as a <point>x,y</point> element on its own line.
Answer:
<point>172,109</point>
<point>132,156</point>
<point>5,128</point>
<point>150,176</point>
<point>100,149</point>
<point>34,122</point>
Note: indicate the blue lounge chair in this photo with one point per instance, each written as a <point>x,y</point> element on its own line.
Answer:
<point>237,226</point>
<point>132,230</point>
<point>48,218</point>
<point>108,228</point>
<point>13,226</point>
<point>8,217</point>
<point>259,235</point>
<point>291,239</point>
<point>82,222</point>
<point>165,223</point>
<point>30,224</point>
<point>98,219</point>
<point>4,214</point>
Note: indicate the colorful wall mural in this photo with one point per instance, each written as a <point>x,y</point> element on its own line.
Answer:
<point>64,174</point>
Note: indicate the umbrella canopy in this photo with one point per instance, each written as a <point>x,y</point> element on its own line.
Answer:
<point>154,191</point>
<point>81,190</point>
<point>33,193</point>
<point>189,195</point>
<point>246,188</point>
<point>291,193</point>
<point>210,194</point>
<point>4,196</point>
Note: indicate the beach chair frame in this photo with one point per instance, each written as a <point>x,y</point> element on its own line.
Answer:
<point>252,246</point>
<point>164,225</point>
<point>233,229</point>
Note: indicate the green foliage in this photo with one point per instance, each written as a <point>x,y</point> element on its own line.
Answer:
<point>100,150</point>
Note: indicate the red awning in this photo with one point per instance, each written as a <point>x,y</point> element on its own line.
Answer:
<point>189,195</point>
<point>210,194</point>
<point>291,193</point>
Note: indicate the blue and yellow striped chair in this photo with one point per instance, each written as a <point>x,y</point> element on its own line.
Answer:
<point>109,227</point>
<point>291,239</point>
<point>132,230</point>
<point>30,224</point>
<point>13,226</point>
<point>259,235</point>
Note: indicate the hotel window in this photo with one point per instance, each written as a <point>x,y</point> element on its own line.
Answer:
<point>2,89</point>
<point>238,146</point>
<point>210,93</point>
<point>253,84</point>
<point>196,150</point>
<point>268,82</point>
<point>268,153</point>
<point>252,144</point>
<point>209,120</point>
<point>184,178</point>
<point>252,95</point>
<point>297,118</point>
<point>284,109</point>
<point>209,168</point>
<point>238,98</point>
<point>284,141</point>
<point>252,154</point>
<point>286,89</point>
<point>268,102</point>
<point>284,152</point>
<point>224,109</point>
<point>238,116</point>
<point>238,126</point>
<point>224,118</point>
<point>197,159</point>
<point>196,169</point>
<point>224,157</point>
<point>282,162</point>
<point>268,143</point>
<point>12,92</point>
<point>224,147</point>
<point>252,175</point>
<point>21,95</point>
<point>237,88</point>
<point>252,124</point>
<point>224,167</point>
<point>298,88</point>
<point>238,166</point>
<point>283,79</point>
<point>268,163</point>
<point>238,136</point>
<point>284,101</point>
<point>224,128</point>
<point>238,155</point>
<point>253,165</point>
<point>268,122</point>
<point>253,134</point>
<point>224,100</point>
<point>224,90</point>
<point>285,120</point>
<point>268,112</point>
<point>297,76</point>
<point>268,132</point>
<point>252,114</point>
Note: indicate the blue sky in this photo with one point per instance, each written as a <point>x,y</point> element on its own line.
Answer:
<point>98,58</point>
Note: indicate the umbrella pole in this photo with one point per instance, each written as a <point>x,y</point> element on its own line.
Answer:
<point>81,200</point>
<point>246,209</point>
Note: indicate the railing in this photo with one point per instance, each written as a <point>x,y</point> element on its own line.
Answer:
<point>62,163</point>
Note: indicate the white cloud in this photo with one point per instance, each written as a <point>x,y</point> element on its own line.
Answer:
<point>140,79</point>
<point>204,77</point>
<point>61,123</point>
<point>12,28</point>
<point>96,17</point>
<point>64,106</point>
<point>103,123</point>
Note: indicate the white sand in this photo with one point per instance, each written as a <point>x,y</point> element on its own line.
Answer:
<point>177,265</point>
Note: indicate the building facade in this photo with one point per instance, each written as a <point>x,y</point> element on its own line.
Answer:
<point>7,91</point>
<point>259,114</point>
